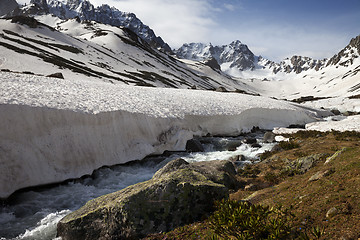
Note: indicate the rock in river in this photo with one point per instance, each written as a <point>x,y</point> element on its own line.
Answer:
<point>178,194</point>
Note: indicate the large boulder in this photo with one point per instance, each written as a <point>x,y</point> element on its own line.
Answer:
<point>178,194</point>
<point>194,145</point>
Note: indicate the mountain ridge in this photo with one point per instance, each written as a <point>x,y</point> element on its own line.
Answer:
<point>84,10</point>
<point>241,58</point>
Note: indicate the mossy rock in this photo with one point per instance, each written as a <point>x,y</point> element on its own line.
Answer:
<point>178,194</point>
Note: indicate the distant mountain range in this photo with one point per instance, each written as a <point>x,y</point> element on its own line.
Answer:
<point>127,50</point>
<point>238,56</point>
<point>234,56</point>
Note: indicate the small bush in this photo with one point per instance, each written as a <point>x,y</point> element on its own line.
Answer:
<point>346,136</point>
<point>289,145</point>
<point>249,171</point>
<point>272,177</point>
<point>289,171</point>
<point>266,155</point>
<point>309,134</point>
<point>243,220</point>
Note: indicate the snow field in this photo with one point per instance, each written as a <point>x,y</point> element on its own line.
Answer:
<point>55,129</point>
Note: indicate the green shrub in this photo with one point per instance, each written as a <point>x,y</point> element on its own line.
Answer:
<point>289,145</point>
<point>243,220</point>
<point>249,171</point>
<point>266,155</point>
<point>272,177</point>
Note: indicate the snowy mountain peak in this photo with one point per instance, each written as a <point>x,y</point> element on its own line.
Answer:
<point>84,10</point>
<point>195,51</point>
<point>236,43</point>
<point>234,54</point>
<point>347,55</point>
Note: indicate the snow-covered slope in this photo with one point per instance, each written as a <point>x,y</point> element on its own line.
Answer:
<point>84,10</point>
<point>334,85</point>
<point>330,83</point>
<point>55,129</point>
<point>91,50</point>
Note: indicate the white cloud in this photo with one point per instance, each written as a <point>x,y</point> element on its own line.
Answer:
<point>175,21</point>
<point>229,7</point>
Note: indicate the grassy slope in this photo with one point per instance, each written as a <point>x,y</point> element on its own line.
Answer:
<point>310,200</point>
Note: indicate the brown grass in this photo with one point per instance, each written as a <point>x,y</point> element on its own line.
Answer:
<point>310,201</point>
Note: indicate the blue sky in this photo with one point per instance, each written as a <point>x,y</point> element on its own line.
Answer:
<point>280,28</point>
<point>274,29</point>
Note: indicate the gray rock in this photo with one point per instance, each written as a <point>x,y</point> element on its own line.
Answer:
<point>221,89</point>
<point>233,145</point>
<point>178,194</point>
<point>255,145</point>
<point>172,166</point>
<point>305,163</point>
<point>334,156</point>
<point>221,172</point>
<point>250,140</point>
<point>194,145</point>
<point>321,174</point>
<point>332,212</point>
<point>56,75</point>
<point>269,137</point>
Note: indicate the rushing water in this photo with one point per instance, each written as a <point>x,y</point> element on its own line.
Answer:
<point>33,214</point>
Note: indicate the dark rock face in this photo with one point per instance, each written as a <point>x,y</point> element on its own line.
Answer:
<point>296,64</point>
<point>29,21</point>
<point>213,64</point>
<point>6,6</point>
<point>84,10</point>
<point>178,194</point>
<point>194,145</point>
<point>56,75</point>
<point>347,55</point>
<point>250,140</point>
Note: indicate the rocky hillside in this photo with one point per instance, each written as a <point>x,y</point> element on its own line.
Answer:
<point>237,55</point>
<point>347,55</point>
<point>96,51</point>
<point>295,64</point>
<point>84,10</point>
<point>314,178</point>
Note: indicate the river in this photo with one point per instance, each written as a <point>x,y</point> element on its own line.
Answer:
<point>33,214</point>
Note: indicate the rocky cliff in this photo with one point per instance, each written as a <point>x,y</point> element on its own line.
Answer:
<point>84,10</point>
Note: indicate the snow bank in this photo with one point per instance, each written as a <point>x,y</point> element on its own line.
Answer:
<point>337,123</point>
<point>53,129</point>
<point>350,123</point>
